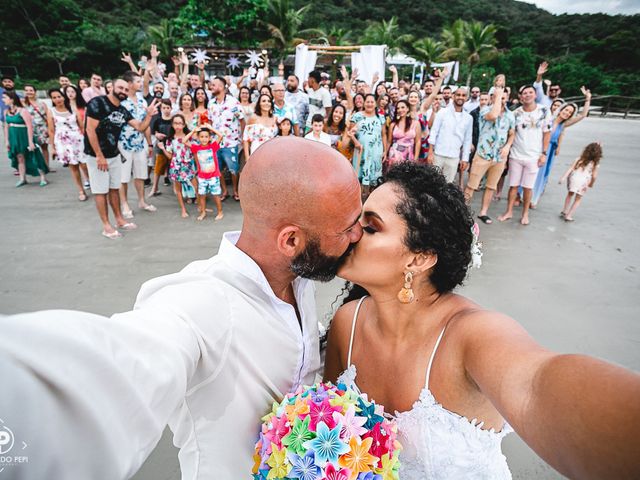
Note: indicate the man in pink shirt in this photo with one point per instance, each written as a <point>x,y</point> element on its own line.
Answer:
<point>95,90</point>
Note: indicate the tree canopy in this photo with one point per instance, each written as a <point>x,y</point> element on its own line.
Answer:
<point>44,38</point>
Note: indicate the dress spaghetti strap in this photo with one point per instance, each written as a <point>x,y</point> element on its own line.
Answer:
<point>433,354</point>
<point>353,329</point>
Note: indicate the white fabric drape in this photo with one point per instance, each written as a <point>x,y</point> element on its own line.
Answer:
<point>454,68</point>
<point>305,62</point>
<point>368,61</point>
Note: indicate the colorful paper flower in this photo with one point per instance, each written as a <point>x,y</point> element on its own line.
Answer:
<point>331,473</point>
<point>280,428</point>
<point>322,412</point>
<point>379,437</point>
<point>327,444</point>
<point>352,425</point>
<point>280,467</point>
<point>298,435</point>
<point>389,467</point>
<point>358,459</point>
<point>369,476</point>
<point>304,468</point>
<point>369,411</point>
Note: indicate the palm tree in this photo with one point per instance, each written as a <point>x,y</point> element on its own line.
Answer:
<point>386,33</point>
<point>453,37</point>
<point>480,45</point>
<point>283,24</point>
<point>473,43</point>
<point>428,50</point>
<point>164,36</point>
<point>336,37</point>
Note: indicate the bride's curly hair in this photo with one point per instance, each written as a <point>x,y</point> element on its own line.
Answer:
<point>438,221</point>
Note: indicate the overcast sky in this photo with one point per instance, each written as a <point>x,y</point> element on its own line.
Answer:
<point>627,7</point>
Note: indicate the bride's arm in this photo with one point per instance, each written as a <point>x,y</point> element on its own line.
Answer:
<point>580,414</point>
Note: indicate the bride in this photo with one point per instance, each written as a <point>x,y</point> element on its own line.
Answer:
<point>460,377</point>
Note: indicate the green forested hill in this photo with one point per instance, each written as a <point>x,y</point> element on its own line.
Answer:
<point>41,37</point>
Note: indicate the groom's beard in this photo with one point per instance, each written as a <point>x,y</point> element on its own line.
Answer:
<point>315,265</point>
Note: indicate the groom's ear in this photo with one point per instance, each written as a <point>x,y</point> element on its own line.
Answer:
<point>290,241</point>
<point>422,262</point>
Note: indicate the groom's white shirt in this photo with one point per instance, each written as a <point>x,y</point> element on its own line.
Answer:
<point>206,350</point>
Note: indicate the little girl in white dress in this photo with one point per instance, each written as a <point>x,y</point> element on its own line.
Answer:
<point>580,176</point>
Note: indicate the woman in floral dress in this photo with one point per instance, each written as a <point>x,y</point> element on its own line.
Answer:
<point>65,136</point>
<point>261,127</point>
<point>182,168</point>
<point>371,133</point>
<point>38,112</point>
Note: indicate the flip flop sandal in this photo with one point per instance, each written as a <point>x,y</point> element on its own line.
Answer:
<point>82,197</point>
<point>150,208</point>
<point>128,226</point>
<point>112,236</point>
<point>485,219</point>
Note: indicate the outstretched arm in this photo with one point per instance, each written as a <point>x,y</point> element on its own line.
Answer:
<point>580,414</point>
<point>584,113</point>
<point>436,89</point>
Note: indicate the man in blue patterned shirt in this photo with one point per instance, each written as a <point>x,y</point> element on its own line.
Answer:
<point>135,147</point>
<point>496,134</point>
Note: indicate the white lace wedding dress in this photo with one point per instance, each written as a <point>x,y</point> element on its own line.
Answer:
<point>439,444</point>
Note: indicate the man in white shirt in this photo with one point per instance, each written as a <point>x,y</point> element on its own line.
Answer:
<point>206,350</point>
<point>450,137</point>
<point>529,150</point>
<point>319,98</point>
<point>474,100</point>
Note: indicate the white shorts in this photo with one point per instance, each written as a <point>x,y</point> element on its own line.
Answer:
<point>101,181</point>
<point>136,162</point>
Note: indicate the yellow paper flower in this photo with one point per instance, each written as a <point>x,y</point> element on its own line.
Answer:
<point>278,462</point>
<point>359,459</point>
<point>389,469</point>
<point>345,402</point>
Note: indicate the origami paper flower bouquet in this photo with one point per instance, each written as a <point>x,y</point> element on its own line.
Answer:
<point>327,432</point>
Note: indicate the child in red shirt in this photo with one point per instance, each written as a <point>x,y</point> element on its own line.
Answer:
<point>205,155</point>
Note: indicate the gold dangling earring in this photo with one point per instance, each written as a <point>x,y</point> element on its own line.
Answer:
<point>405,295</point>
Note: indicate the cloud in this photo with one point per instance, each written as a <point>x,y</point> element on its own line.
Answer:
<point>612,7</point>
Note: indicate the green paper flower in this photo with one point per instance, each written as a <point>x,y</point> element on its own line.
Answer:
<point>299,434</point>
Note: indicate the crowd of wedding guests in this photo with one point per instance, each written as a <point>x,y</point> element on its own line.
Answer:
<point>188,130</point>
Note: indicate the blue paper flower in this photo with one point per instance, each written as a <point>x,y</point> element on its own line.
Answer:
<point>327,444</point>
<point>369,412</point>
<point>369,476</point>
<point>304,468</point>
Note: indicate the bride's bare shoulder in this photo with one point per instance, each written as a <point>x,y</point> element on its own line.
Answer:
<point>342,320</point>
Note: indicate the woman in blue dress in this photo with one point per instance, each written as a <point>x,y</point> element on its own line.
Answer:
<point>371,133</point>
<point>566,117</point>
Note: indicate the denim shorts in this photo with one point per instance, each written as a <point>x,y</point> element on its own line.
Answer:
<point>229,157</point>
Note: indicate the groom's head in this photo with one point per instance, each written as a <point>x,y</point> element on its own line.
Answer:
<point>301,205</point>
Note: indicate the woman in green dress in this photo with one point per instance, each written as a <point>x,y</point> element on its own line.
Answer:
<point>18,134</point>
